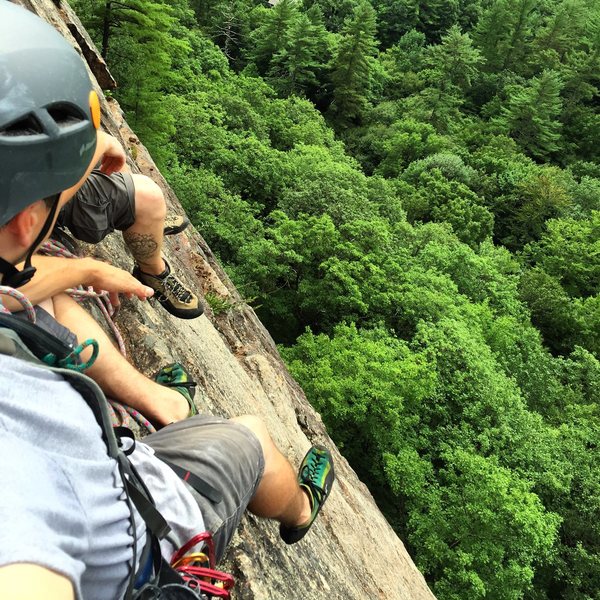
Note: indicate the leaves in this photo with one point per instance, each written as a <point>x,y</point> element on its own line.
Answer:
<point>430,267</point>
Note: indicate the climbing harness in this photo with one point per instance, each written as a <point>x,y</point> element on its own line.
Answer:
<point>191,576</point>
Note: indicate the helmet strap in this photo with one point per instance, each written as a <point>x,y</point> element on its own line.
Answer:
<point>14,278</point>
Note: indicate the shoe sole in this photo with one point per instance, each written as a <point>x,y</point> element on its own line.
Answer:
<point>174,230</point>
<point>182,313</point>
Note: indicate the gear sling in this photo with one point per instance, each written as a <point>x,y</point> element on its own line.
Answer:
<point>155,579</point>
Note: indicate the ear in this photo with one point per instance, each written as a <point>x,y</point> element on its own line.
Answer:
<point>24,226</point>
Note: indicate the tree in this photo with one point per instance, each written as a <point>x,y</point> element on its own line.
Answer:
<point>149,53</point>
<point>551,311</point>
<point>569,250</point>
<point>454,62</point>
<point>396,18</point>
<point>504,31</point>
<point>536,195</point>
<point>559,35</point>
<point>531,116</point>
<point>404,143</point>
<point>480,528</point>
<point>352,64</point>
<point>403,63</point>
<point>270,37</point>
<point>364,382</point>
<point>335,12</point>
<point>450,202</point>
<point>295,66</point>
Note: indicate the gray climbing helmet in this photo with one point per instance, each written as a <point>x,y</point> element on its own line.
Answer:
<point>49,112</point>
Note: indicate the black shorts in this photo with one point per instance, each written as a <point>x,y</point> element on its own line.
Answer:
<point>102,204</point>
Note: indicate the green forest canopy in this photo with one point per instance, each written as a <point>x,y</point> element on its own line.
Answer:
<point>409,193</point>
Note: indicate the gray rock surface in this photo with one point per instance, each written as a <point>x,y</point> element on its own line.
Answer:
<point>352,552</point>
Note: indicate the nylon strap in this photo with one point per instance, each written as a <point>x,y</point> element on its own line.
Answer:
<point>198,483</point>
<point>28,342</point>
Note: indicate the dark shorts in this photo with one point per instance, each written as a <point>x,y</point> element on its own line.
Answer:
<point>102,204</point>
<point>44,320</point>
<point>225,454</point>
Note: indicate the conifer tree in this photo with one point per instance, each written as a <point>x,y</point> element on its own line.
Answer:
<point>454,61</point>
<point>271,37</point>
<point>532,114</point>
<point>395,18</point>
<point>504,31</point>
<point>560,34</point>
<point>352,65</point>
<point>294,67</point>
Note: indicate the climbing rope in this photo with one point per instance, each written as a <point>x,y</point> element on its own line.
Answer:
<point>120,413</point>
<point>21,298</point>
<point>54,248</point>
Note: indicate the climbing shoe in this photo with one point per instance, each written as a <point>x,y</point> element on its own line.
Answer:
<point>176,376</point>
<point>175,224</point>
<point>315,477</point>
<point>171,293</point>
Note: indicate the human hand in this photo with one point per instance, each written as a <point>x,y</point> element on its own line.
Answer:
<point>113,155</point>
<point>103,276</point>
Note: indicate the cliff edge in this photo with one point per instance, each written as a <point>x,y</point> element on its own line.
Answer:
<point>352,552</point>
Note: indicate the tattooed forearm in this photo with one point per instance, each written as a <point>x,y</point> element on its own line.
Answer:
<point>142,245</point>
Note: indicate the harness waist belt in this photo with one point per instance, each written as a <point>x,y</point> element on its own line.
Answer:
<point>200,485</point>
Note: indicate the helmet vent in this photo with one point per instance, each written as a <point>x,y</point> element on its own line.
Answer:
<point>28,125</point>
<point>64,115</point>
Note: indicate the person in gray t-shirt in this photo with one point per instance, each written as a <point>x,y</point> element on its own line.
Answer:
<point>66,528</point>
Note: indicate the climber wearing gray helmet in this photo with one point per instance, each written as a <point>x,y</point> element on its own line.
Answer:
<point>77,519</point>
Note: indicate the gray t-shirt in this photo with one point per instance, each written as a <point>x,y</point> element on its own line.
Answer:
<point>62,504</point>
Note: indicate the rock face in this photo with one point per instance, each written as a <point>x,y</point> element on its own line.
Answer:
<point>351,553</point>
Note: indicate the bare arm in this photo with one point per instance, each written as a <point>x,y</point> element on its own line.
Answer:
<point>111,155</point>
<point>56,274</point>
<point>26,581</point>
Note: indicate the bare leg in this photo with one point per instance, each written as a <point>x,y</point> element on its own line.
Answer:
<point>145,237</point>
<point>145,240</point>
<point>278,495</point>
<point>117,378</point>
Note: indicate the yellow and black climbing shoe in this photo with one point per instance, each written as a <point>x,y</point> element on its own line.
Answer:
<point>315,476</point>
<point>171,293</point>
<point>175,224</point>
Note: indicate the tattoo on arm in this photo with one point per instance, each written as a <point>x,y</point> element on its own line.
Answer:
<point>142,245</point>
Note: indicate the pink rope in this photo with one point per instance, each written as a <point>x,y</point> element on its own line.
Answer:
<point>19,297</point>
<point>121,414</point>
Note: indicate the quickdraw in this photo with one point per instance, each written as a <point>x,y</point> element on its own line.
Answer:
<point>198,569</point>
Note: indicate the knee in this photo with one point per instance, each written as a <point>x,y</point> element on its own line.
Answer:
<point>149,199</point>
<point>257,426</point>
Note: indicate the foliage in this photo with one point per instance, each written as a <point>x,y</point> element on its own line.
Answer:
<point>531,114</point>
<point>409,190</point>
<point>352,64</point>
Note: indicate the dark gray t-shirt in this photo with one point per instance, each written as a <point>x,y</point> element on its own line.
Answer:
<point>62,504</point>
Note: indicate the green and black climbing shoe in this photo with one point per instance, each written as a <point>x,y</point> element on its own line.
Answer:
<point>171,293</point>
<point>316,477</point>
<point>176,376</point>
<point>175,224</point>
